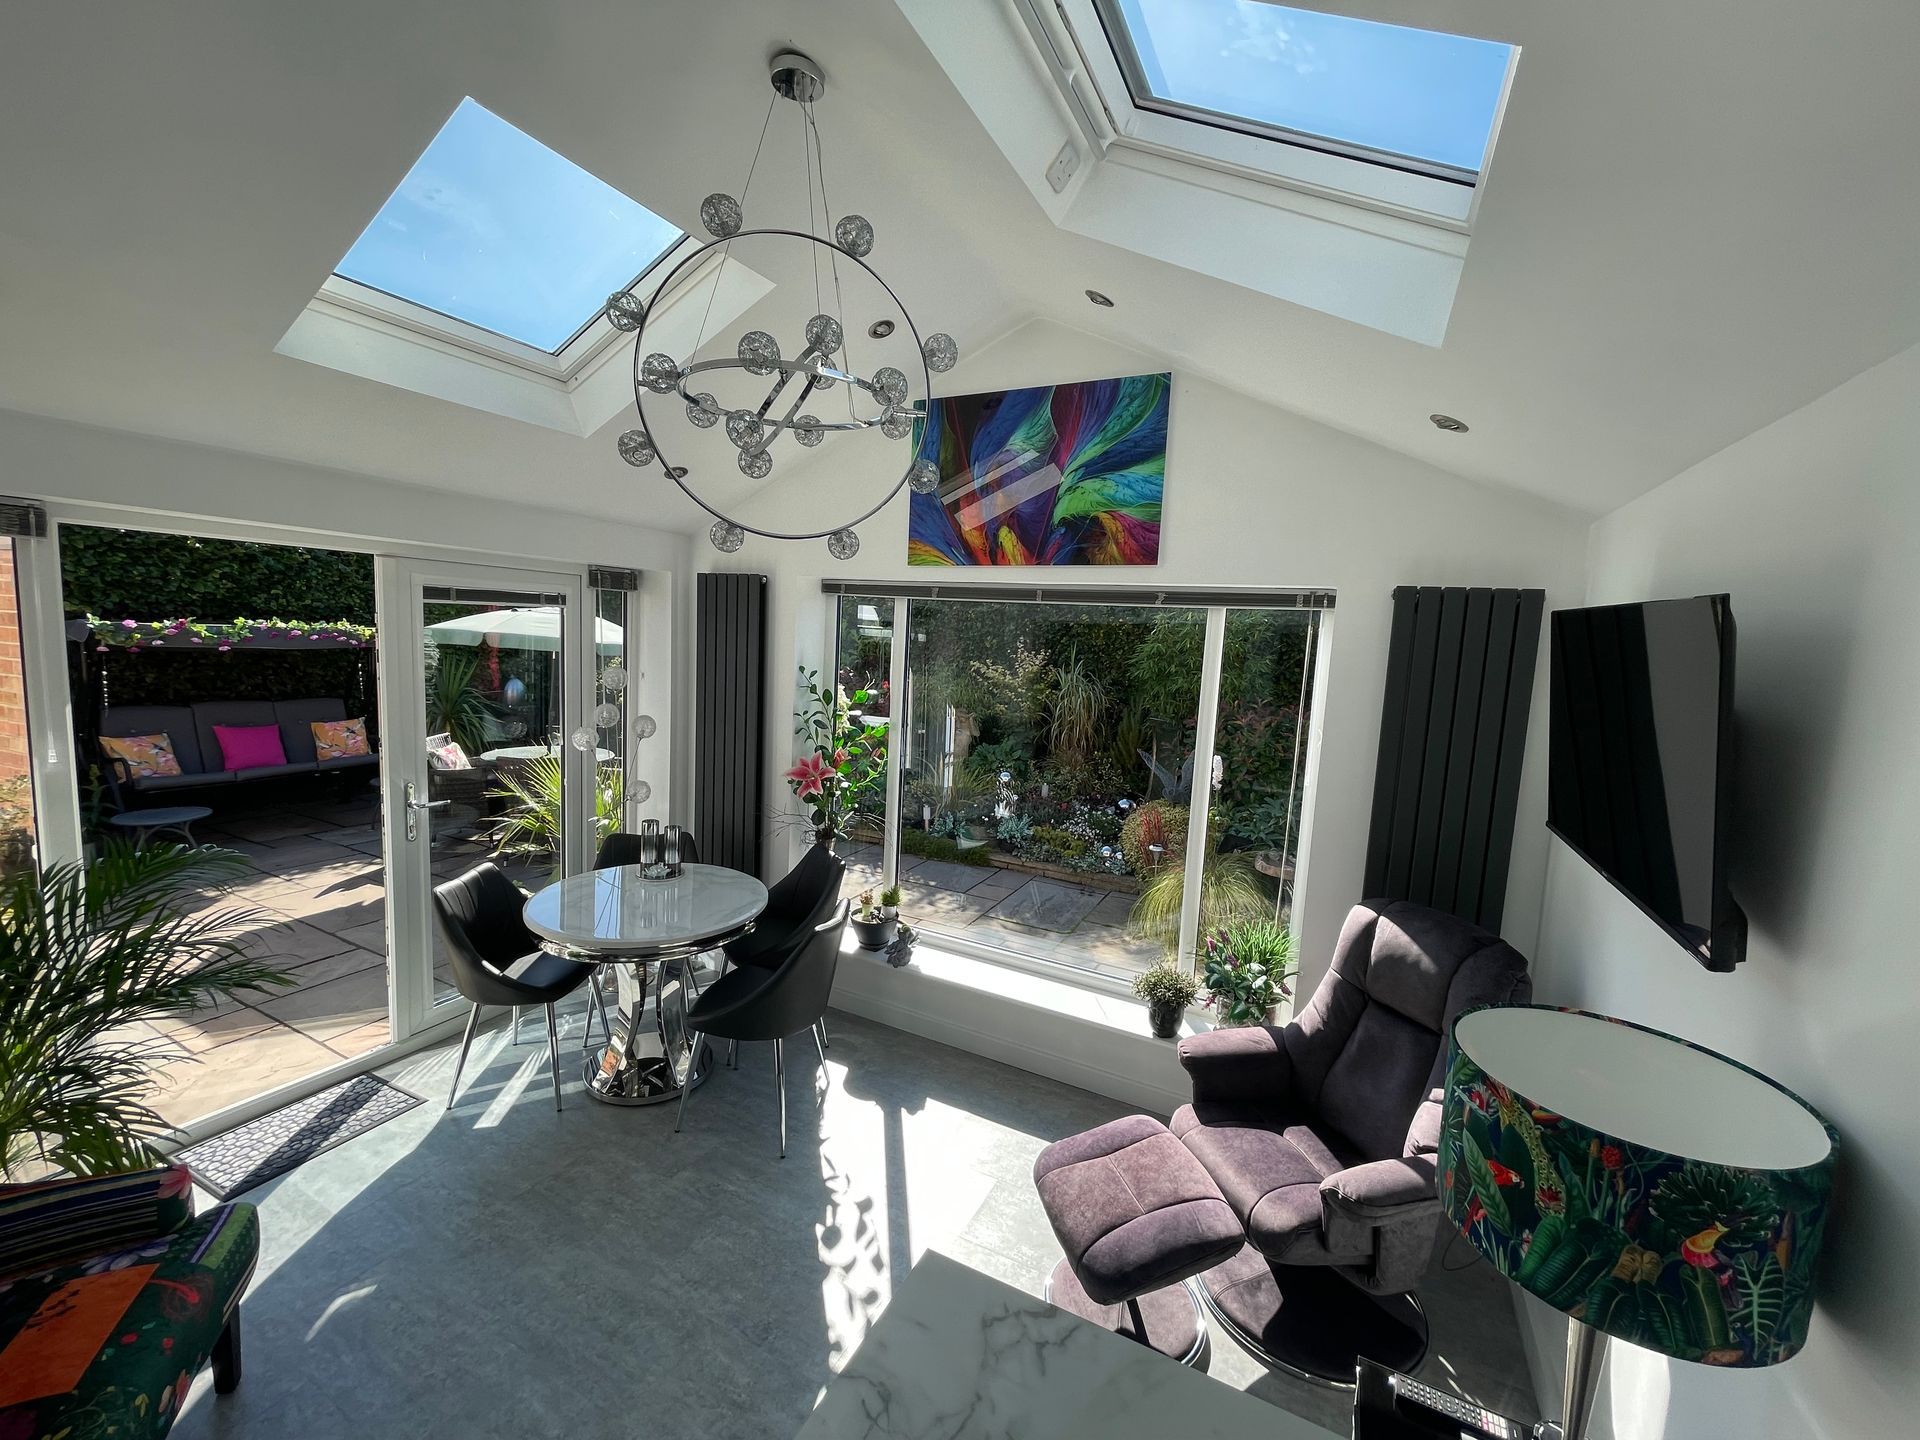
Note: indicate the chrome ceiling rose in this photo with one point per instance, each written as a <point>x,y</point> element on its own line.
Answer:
<point>756,420</point>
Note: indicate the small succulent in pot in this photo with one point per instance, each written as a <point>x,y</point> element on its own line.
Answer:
<point>1168,991</point>
<point>873,929</point>
<point>890,902</point>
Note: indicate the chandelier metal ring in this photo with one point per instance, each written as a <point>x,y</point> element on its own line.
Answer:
<point>787,370</point>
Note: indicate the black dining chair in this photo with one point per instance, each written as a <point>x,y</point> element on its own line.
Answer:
<point>622,847</point>
<point>756,1004</point>
<point>796,904</point>
<point>496,960</point>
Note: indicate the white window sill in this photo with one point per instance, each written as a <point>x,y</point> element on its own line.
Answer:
<point>1009,1012</point>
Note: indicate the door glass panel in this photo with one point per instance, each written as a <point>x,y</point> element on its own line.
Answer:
<point>17,842</point>
<point>612,679</point>
<point>496,745</point>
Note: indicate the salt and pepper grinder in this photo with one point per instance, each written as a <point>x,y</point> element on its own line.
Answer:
<point>670,847</point>
<point>649,842</point>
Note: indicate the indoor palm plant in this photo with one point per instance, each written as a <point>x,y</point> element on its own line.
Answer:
<point>1246,965</point>
<point>86,953</point>
<point>1168,991</point>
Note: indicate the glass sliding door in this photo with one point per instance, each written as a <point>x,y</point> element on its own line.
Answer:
<point>491,756</point>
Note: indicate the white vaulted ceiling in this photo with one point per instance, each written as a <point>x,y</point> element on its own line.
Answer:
<point>1699,218</point>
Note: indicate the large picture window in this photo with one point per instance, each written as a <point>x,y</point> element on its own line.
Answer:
<point>1082,780</point>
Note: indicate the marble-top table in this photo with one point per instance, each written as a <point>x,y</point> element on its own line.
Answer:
<point>655,929</point>
<point>959,1355</point>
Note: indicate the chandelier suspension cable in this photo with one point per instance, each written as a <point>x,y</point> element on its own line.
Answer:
<point>833,259</point>
<point>726,250</point>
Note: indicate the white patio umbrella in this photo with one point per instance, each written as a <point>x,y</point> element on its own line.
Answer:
<point>530,629</point>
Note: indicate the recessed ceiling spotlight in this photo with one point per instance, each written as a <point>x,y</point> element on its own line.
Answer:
<point>1449,424</point>
<point>1101,300</point>
<point>880,329</point>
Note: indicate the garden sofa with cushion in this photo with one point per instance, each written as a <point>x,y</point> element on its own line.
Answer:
<point>112,1296</point>
<point>190,729</point>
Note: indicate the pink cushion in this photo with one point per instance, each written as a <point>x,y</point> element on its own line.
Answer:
<point>242,747</point>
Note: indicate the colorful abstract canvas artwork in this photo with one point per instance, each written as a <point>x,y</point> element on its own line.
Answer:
<point>1054,475</point>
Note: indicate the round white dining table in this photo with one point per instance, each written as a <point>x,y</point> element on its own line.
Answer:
<point>655,930</point>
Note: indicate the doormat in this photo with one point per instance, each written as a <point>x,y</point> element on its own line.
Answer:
<point>258,1151</point>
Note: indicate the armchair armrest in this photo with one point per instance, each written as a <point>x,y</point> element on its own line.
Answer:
<point>56,1222</point>
<point>1240,1063</point>
<point>1387,1209</point>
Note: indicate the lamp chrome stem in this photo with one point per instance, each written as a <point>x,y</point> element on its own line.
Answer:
<point>1586,1353</point>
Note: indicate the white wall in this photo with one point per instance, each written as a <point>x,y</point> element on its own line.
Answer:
<point>1255,496</point>
<point>1813,526</point>
<point>85,473</point>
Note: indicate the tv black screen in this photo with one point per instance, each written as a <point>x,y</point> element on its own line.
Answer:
<point>1639,763</point>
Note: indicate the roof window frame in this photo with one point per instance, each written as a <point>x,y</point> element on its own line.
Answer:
<point>1099,73</point>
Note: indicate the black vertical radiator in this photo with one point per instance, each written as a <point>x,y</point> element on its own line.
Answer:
<point>729,719</point>
<point>1453,730</point>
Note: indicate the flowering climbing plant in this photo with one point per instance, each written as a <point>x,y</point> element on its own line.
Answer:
<point>841,771</point>
<point>187,633</point>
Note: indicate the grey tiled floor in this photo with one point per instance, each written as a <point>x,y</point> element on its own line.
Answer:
<point>1048,919</point>
<point>503,1270</point>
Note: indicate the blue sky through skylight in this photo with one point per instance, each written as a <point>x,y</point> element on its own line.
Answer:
<point>1386,87</point>
<point>493,228</point>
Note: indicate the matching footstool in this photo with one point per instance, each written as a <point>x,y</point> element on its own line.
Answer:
<point>1137,1216</point>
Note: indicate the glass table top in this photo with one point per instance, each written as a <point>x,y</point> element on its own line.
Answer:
<point>617,911</point>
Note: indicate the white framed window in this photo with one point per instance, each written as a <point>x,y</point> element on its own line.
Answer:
<point>1092,780</point>
<point>1389,116</point>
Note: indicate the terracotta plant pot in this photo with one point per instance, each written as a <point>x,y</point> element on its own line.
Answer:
<point>875,934</point>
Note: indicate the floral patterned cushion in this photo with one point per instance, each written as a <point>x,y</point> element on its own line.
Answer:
<point>340,739</point>
<point>106,1349</point>
<point>444,753</point>
<point>142,755</point>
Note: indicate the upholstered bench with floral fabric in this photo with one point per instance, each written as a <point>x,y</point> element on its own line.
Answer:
<point>112,1296</point>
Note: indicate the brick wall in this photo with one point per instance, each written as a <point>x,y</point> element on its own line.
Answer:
<point>13,689</point>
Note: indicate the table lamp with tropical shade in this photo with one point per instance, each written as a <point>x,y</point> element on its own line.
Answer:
<point>1654,1191</point>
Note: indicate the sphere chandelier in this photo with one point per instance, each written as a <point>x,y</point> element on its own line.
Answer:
<point>886,400</point>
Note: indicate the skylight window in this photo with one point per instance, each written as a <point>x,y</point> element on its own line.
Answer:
<point>1412,99</point>
<point>493,229</point>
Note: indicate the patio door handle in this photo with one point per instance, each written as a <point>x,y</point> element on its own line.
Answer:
<point>416,806</point>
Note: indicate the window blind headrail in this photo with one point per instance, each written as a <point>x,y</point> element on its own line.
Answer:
<point>483,595</point>
<point>1191,597</point>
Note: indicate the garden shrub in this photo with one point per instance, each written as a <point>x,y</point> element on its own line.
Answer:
<point>1158,822</point>
<point>935,847</point>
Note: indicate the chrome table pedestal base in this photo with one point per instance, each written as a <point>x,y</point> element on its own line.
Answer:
<point>649,1060</point>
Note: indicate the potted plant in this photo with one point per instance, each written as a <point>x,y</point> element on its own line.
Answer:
<point>86,953</point>
<point>841,772</point>
<point>1246,967</point>
<point>890,902</point>
<point>1168,991</point>
<point>874,929</point>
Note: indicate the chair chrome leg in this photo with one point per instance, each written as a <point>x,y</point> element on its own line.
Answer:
<point>821,1045</point>
<point>516,1025</point>
<point>686,1091</point>
<point>733,1054</point>
<point>780,1084</point>
<point>466,1041</point>
<point>553,1053</point>
<point>820,1027</point>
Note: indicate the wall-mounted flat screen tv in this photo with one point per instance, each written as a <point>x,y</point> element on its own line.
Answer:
<point>1639,760</point>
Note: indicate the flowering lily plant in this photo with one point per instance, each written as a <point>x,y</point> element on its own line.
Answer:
<point>841,772</point>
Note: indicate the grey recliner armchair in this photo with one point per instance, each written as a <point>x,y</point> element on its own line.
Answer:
<point>1322,1135</point>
